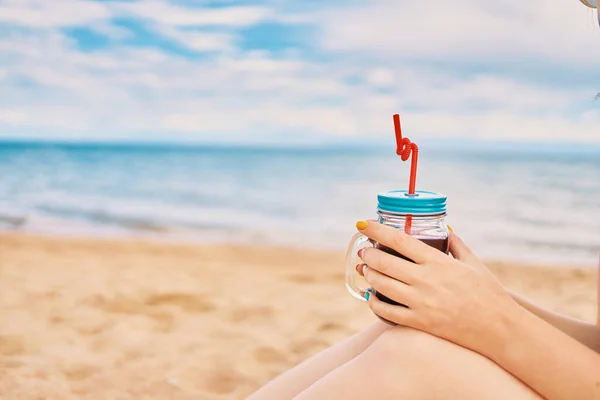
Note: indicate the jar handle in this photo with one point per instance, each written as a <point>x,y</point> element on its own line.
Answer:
<point>358,242</point>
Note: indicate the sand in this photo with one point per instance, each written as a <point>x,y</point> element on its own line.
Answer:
<point>110,319</point>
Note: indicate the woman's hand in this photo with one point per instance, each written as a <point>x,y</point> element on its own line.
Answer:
<point>457,298</point>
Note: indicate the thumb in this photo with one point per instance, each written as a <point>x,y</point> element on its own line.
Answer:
<point>461,251</point>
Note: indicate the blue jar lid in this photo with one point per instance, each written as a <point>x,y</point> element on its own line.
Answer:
<point>422,202</point>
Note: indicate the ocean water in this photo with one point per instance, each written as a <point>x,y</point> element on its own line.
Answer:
<point>532,205</point>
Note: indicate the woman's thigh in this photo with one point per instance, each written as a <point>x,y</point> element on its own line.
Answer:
<point>404,363</point>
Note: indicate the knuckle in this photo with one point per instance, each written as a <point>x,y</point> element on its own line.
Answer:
<point>372,277</point>
<point>430,304</point>
<point>385,288</point>
<point>400,316</point>
<point>403,318</point>
<point>381,284</point>
<point>421,276</point>
<point>385,265</point>
<point>423,323</point>
<point>399,238</point>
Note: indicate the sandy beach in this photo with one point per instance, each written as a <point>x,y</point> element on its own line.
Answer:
<point>122,319</point>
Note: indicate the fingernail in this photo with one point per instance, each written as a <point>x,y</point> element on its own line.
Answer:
<point>361,225</point>
<point>450,228</point>
<point>367,295</point>
<point>360,252</point>
<point>361,268</point>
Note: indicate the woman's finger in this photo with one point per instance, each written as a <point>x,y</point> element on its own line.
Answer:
<point>399,241</point>
<point>392,266</point>
<point>390,288</point>
<point>399,315</point>
<point>460,251</point>
<point>359,268</point>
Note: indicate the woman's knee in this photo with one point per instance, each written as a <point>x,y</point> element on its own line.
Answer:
<point>406,344</point>
<point>423,355</point>
<point>401,361</point>
<point>406,352</point>
<point>435,366</point>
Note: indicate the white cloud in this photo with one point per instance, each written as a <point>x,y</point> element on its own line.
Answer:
<point>48,84</point>
<point>13,117</point>
<point>46,14</point>
<point>488,91</point>
<point>170,14</point>
<point>198,41</point>
<point>380,77</point>
<point>110,30</point>
<point>464,29</point>
<point>495,126</point>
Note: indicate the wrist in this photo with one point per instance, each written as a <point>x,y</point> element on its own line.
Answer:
<point>508,327</point>
<point>503,329</point>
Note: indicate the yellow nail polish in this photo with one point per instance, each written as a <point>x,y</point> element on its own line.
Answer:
<point>450,228</point>
<point>361,225</point>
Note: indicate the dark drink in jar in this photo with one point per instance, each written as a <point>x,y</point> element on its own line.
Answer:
<point>423,212</point>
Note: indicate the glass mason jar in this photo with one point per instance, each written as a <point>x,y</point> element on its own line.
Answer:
<point>423,211</point>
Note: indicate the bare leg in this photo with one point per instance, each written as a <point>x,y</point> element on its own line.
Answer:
<point>407,364</point>
<point>299,378</point>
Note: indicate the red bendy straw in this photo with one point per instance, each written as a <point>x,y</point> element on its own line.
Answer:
<point>404,148</point>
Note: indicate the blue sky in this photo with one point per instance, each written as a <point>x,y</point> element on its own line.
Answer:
<point>291,71</point>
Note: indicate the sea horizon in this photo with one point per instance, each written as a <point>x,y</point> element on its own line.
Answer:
<point>535,204</point>
<point>379,145</point>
